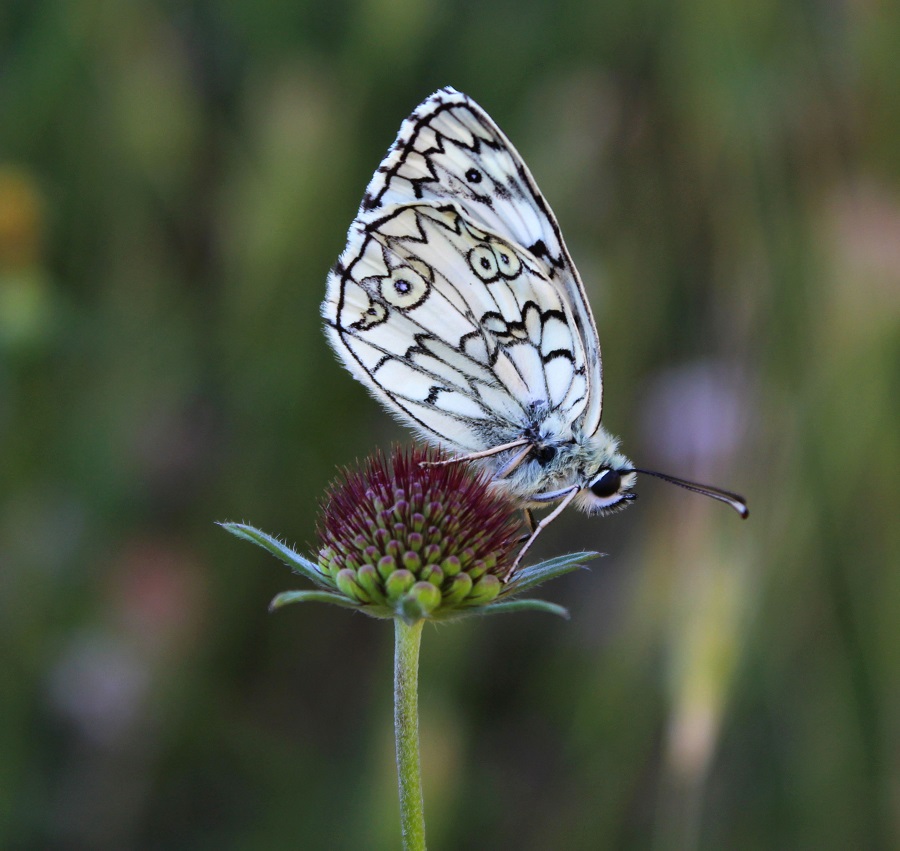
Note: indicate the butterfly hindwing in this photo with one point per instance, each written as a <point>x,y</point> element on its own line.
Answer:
<point>456,329</point>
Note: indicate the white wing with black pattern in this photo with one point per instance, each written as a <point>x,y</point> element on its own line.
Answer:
<point>449,150</point>
<point>457,330</point>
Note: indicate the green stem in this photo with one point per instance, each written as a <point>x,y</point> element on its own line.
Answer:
<point>406,731</point>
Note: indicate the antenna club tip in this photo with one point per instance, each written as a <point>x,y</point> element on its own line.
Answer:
<point>736,501</point>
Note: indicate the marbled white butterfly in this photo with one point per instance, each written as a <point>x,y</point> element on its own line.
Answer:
<point>455,302</point>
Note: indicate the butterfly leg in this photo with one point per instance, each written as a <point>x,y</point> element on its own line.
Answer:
<point>529,519</point>
<point>514,462</point>
<point>539,528</point>
<point>474,456</point>
<point>529,522</point>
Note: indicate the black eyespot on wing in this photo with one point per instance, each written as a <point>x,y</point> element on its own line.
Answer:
<point>473,175</point>
<point>483,262</point>
<point>607,484</point>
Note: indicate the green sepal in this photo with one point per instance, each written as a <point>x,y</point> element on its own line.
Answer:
<point>287,597</point>
<point>523,606</point>
<point>535,574</point>
<point>498,608</point>
<point>296,562</point>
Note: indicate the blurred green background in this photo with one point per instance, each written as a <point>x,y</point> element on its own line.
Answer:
<point>176,180</point>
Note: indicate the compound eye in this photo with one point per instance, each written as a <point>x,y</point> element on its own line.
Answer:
<point>607,484</point>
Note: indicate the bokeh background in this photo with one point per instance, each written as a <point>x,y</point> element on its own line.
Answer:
<point>175,181</point>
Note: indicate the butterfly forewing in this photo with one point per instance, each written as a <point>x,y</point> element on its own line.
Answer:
<point>449,150</point>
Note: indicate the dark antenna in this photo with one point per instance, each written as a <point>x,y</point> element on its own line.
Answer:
<point>738,503</point>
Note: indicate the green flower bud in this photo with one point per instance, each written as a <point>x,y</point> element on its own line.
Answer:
<point>412,562</point>
<point>428,597</point>
<point>457,589</point>
<point>451,565</point>
<point>433,574</point>
<point>346,582</point>
<point>398,583</point>
<point>367,576</point>
<point>484,590</point>
<point>386,566</point>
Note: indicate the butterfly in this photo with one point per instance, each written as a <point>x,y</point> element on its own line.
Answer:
<point>456,303</point>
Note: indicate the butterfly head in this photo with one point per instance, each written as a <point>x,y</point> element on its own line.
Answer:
<point>607,478</point>
<point>609,490</point>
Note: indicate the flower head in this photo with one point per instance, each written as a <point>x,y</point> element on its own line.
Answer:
<point>415,539</point>
<point>413,533</point>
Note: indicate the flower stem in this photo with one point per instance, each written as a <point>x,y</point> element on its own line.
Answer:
<point>406,731</point>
